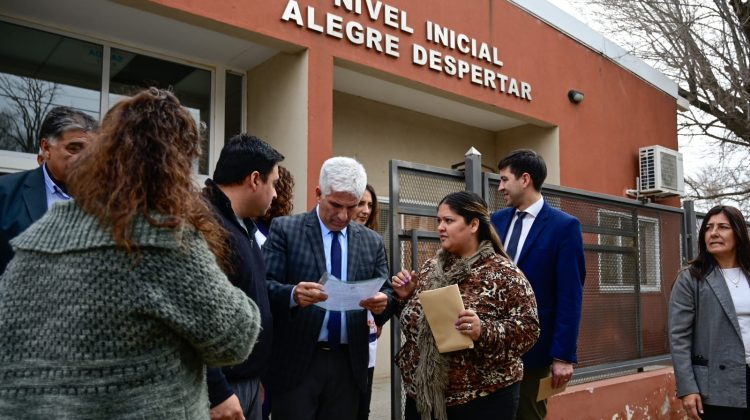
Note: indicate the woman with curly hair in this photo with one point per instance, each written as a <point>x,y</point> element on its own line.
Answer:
<point>282,205</point>
<point>114,301</point>
<point>367,214</point>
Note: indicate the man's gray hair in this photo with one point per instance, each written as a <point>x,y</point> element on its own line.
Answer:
<point>343,175</point>
<point>61,119</point>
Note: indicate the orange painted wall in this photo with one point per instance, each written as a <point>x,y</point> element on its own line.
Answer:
<point>598,138</point>
<point>648,395</point>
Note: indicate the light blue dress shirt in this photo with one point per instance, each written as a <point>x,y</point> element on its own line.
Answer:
<point>54,193</point>
<point>327,237</point>
<point>344,242</point>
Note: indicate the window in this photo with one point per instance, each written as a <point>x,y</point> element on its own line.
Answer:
<point>618,264</point>
<point>648,250</point>
<point>131,72</point>
<point>233,105</point>
<point>38,71</point>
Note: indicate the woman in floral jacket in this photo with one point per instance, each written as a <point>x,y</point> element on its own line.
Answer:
<point>500,317</point>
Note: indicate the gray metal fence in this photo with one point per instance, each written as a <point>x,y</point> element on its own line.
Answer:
<point>633,252</point>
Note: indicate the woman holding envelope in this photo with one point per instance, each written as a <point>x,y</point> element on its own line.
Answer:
<point>500,319</point>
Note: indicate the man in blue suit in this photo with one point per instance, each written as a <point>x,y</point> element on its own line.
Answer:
<point>547,246</point>
<point>26,196</point>
<point>320,358</point>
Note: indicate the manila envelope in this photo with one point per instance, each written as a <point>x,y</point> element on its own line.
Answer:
<point>546,390</point>
<point>441,307</point>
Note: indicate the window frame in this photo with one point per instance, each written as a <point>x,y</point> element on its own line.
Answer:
<point>606,287</point>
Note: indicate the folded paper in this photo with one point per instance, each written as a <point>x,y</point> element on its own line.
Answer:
<point>546,390</point>
<point>441,308</point>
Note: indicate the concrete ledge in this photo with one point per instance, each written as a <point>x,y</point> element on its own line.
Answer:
<point>648,395</point>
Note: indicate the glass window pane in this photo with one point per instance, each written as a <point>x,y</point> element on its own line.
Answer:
<point>628,263</point>
<point>610,268</point>
<point>131,72</point>
<point>649,252</point>
<point>38,71</point>
<point>233,105</point>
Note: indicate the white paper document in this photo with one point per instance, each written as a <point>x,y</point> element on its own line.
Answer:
<point>345,296</point>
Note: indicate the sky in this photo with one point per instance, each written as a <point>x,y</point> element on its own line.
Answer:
<point>565,5</point>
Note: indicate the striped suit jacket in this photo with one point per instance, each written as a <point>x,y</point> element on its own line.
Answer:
<point>293,253</point>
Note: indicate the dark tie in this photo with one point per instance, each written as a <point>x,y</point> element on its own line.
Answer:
<point>515,235</point>
<point>334,317</point>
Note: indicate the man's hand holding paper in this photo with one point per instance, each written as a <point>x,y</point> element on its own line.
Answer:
<point>375,304</point>
<point>307,293</point>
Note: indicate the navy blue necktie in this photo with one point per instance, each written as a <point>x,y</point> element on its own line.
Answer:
<point>515,235</point>
<point>334,317</point>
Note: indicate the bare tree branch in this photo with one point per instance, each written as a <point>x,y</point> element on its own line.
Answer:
<point>25,102</point>
<point>704,45</point>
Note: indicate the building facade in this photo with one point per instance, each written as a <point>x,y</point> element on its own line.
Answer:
<point>376,80</point>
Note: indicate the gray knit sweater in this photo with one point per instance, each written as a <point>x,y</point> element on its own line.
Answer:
<point>87,331</point>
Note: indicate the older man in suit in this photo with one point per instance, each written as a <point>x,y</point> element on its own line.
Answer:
<point>26,196</point>
<point>547,246</point>
<point>319,365</point>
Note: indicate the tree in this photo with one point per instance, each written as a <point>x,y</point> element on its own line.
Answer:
<point>704,45</point>
<point>24,104</point>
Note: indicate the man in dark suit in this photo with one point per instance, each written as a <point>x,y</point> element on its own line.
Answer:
<point>319,365</point>
<point>243,188</point>
<point>26,196</point>
<point>547,246</point>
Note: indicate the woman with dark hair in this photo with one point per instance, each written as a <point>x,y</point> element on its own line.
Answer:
<point>500,317</point>
<point>282,205</point>
<point>367,210</point>
<point>367,214</point>
<point>114,301</point>
<point>709,321</point>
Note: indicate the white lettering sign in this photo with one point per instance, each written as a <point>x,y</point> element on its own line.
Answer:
<point>464,56</point>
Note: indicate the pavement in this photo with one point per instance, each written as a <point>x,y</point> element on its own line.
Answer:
<point>380,406</point>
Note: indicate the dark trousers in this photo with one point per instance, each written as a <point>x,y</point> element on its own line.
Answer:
<point>715,412</point>
<point>500,405</point>
<point>266,404</point>
<point>248,392</point>
<point>528,407</point>
<point>327,391</point>
<point>365,397</point>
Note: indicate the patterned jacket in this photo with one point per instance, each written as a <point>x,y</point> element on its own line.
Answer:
<point>504,301</point>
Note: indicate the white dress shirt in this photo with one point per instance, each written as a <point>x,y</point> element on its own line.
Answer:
<point>531,213</point>
<point>739,288</point>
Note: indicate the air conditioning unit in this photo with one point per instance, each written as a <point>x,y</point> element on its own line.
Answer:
<point>661,172</point>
